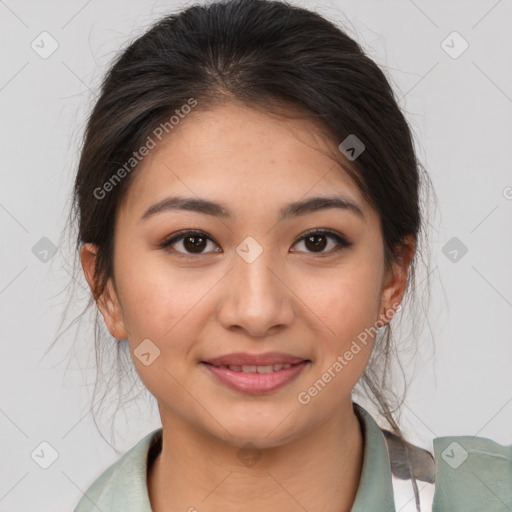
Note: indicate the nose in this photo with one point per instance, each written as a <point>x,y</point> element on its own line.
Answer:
<point>257,297</point>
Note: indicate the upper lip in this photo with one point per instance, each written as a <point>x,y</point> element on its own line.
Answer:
<point>245,359</point>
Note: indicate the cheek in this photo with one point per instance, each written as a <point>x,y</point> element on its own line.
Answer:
<point>162,302</point>
<point>156,309</point>
<point>145,299</point>
<point>347,301</point>
<point>159,306</point>
<point>347,307</point>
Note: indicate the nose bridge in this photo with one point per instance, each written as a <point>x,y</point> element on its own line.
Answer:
<point>252,267</point>
<point>256,299</point>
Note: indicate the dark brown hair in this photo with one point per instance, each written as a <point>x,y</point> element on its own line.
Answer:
<point>276,57</point>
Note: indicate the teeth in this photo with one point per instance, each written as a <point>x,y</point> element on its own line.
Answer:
<point>257,369</point>
<point>265,369</point>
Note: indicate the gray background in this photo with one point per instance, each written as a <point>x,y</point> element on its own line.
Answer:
<point>460,111</point>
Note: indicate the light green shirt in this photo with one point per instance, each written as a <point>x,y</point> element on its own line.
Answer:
<point>472,474</point>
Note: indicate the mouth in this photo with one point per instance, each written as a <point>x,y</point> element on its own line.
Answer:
<point>256,379</point>
<point>257,368</point>
<point>240,360</point>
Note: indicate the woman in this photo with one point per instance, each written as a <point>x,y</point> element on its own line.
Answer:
<point>249,216</point>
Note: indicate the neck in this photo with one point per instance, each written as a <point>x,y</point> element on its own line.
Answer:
<point>319,471</point>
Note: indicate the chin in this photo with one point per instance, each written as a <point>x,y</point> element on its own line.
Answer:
<point>257,432</point>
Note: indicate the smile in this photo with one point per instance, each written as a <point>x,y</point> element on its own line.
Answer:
<point>253,379</point>
<point>254,369</point>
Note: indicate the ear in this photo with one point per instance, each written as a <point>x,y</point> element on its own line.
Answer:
<point>395,281</point>
<point>108,302</point>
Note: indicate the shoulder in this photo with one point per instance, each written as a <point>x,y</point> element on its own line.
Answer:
<point>465,473</point>
<point>123,485</point>
<point>475,473</point>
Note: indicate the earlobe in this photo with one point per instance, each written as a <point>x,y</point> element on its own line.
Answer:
<point>108,304</point>
<point>107,301</point>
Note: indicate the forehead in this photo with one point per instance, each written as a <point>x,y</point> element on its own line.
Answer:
<point>244,155</point>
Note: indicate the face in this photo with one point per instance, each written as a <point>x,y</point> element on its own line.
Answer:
<point>254,276</point>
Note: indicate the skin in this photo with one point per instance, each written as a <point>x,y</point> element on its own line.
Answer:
<point>291,299</point>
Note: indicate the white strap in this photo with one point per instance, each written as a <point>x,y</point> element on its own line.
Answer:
<point>405,500</point>
<point>413,473</point>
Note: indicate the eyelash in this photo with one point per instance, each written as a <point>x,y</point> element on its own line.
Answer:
<point>341,241</point>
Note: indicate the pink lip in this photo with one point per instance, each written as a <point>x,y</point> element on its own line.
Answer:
<point>245,359</point>
<point>255,383</point>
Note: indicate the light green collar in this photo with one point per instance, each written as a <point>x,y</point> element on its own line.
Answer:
<point>123,486</point>
<point>375,491</point>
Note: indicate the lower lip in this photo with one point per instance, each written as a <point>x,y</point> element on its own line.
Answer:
<point>255,383</point>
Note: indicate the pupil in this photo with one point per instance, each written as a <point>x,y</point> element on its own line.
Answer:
<point>315,245</point>
<point>194,247</point>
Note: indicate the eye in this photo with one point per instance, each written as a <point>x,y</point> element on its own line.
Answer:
<point>316,241</point>
<point>195,242</point>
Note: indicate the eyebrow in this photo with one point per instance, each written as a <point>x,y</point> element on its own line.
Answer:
<point>206,207</point>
